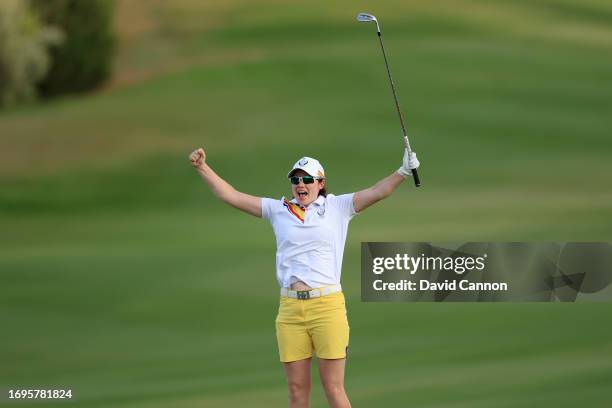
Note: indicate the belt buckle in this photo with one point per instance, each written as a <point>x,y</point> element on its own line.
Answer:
<point>303,294</point>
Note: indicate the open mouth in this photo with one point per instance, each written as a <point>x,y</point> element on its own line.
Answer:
<point>302,194</point>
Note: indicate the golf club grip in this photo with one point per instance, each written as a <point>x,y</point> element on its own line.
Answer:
<point>415,176</point>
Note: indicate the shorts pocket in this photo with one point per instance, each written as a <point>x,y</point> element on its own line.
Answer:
<point>334,299</point>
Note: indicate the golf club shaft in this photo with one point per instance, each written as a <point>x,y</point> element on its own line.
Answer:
<point>415,174</point>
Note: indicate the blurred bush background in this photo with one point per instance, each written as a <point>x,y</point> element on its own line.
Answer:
<point>123,278</point>
<point>84,59</point>
<point>53,47</point>
<point>24,56</point>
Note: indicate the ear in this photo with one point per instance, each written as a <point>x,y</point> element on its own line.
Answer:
<point>321,184</point>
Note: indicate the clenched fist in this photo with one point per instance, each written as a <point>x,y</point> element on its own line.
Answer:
<point>197,158</point>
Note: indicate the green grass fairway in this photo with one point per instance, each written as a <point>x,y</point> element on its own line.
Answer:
<point>124,279</point>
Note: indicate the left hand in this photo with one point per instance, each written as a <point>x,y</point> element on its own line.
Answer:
<point>409,162</point>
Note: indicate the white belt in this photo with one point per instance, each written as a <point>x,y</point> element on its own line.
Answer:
<point>312,293</point>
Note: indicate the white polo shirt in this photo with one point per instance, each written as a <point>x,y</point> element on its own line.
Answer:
<point>309,241</point>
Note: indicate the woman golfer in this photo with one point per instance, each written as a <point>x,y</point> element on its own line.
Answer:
<point>310,231</point>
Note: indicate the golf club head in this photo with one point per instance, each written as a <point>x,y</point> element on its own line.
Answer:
<point>366,18</point>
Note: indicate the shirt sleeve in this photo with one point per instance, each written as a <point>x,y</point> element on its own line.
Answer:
<point>267,206</point>
<point>344,204</point>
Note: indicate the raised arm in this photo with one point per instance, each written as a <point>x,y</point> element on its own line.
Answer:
<point>222,189</point>
<point>385,187</point>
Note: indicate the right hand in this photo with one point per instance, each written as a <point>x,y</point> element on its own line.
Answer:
<point>197,158</point>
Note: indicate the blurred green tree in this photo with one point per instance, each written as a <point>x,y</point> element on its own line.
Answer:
<point>84,59</point>
<point>24,59</point>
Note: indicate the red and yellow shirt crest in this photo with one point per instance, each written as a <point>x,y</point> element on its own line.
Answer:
<point>295,209</point>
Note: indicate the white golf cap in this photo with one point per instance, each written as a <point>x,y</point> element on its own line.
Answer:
<point>310,166</point>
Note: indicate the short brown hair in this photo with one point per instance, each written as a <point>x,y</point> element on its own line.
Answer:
<point>323,191</point>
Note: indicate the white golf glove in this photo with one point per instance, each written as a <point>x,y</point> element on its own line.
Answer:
<point>410,162</point>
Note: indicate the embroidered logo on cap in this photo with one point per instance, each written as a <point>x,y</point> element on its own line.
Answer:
<point>303,162</point>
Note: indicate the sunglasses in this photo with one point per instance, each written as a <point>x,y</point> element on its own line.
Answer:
<point>304,179</point>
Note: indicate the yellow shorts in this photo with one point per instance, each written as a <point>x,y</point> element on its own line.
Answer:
<point>318,324</point>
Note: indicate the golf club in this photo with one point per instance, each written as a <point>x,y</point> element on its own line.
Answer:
<point>367,18</point>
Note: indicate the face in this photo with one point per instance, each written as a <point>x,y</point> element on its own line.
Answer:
<point>306,193</point>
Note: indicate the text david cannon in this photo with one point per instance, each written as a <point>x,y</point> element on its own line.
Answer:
<point>423,284</point>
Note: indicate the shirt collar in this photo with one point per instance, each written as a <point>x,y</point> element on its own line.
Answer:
<point>319,201</point>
